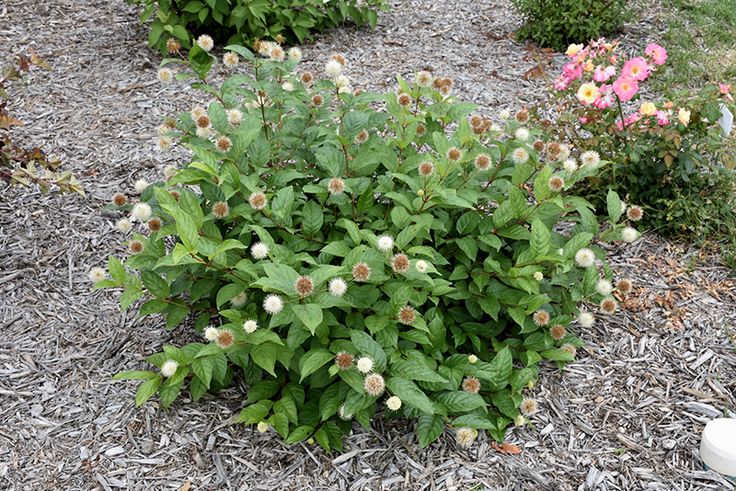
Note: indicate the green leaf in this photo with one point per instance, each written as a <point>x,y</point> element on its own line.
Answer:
<point>146,390</point>
<point>312,218</point>
<point>312,361</point>
<point>280,423</point>
<point>497,372</point>
<point>310,314</point>
<point>157,286</point>
<point>298,434</point>
<point>540,240</point>
<point>135,375</point>
<point>429,428</point>
<point>283,202</point>
<point>613,203</point>
<point>557,355</point>
<point>255,413</point>
<point>265,356</point>
<point>410,394</point>
<point>116,269</point>
<point>460,401</point>
<point>473,421</point>
<point>203,368</point>
<point>469,246</point>
<point>365,344</point>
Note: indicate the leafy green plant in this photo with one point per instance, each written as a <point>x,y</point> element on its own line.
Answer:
<point>558,23</point>
<point>671,157</point>
<point>18,164</point>
<point>348,254</point>
<point>244,21</point>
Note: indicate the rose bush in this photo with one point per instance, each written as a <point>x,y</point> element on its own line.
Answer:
<point>347,254</point>
<point>670,156</point>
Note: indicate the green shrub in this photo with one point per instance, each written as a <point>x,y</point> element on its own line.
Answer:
<point>244,21</point>
<point>558,23</point>
<point>670,157</point>
<point>20,165</point>
<point>353,246</point>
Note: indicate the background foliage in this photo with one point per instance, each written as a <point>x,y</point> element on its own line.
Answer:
<point>558,23</point>
<point>243,21</point>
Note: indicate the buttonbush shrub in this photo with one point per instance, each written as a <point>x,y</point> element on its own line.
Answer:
<point>557,23</point>
<point>669,156</point>
<point>348,254</point>
<point>243,21</point>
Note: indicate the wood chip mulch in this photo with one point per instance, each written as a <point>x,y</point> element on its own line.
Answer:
<point>626,416</point>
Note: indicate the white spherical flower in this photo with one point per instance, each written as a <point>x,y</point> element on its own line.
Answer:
<point>570,165</point>
<point>204,133</point>
<point>495,128</point>
<point>333,69</point>
<point>629,234</point>
<point>338,287</point>
<point>586,319</point>
<point>604,287</point>
<point>230,59</point>
<point>96,274</point>
<point>168,369</point>
<point>273,304</point>
<point>250,326</point>
<point>211,333</point>
<point>393,403</point>
<point>585,257</point>
<point>564,152</point>
<point>504,114</point>
<point>346,89</point>
<point>385,243</point>
<point>295,54</point>
<point>124,225</point>
<point>263,427</point>
<point>141,185</point>
<point>472,359</point>
<point>343,415</point>
<point>165,75</point>
<point>170,171</point>
<point>520,156</point>
<point>364,364</point>
<point>239,299</point>
<point>421,266</point>
<point>539,276</point>
<point>590,158</point>
<point>287,86</point>
<point>522,134</point>
<point>205,42</point>
<point>519,420</point>
<point>141,212</point>
<point>342,81</point>
<point>259,250</point>
<point>234,117</point>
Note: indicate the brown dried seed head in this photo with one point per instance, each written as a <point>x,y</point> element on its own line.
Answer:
<point>357,92</point>
<point>307,78</point>
<point>426,168</point>
<point>225,339</point>
<point>624,286</point>
<point>404,99</point>
<point>538,146</point>
<point>522,116</point>
<point>557,332</point>
<point>471,385</point>
<point>400,263</point>
<point>476,120</point>
<point>317,100</point>
<point>344,360</point>
<point>220,209</point>
<point>119,199</point>
<point>556,183</point>
<point>257,201</point>
<point>224,144</point>
<point>304,286</point>
<point>336,185</point>
<point>541,317</point>
<point>172,46</point>
<point>361,137</point>
<point>135,246</point>
<point>634,213</point>
<point>339,58</point>
<point>154,224</point>
<point>361,272</point>
<point>608,306</point>
<point>421,130</point>
<point>454,154</point>
<point>553,150</point>
<point>175,195</point>
<point>406,315</point>
<point>203,121</point>
<point>569,348</point>
<point>482,162</point>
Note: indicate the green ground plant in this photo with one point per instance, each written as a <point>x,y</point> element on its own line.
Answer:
<point>178,22</point>
<point>350,254</point>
